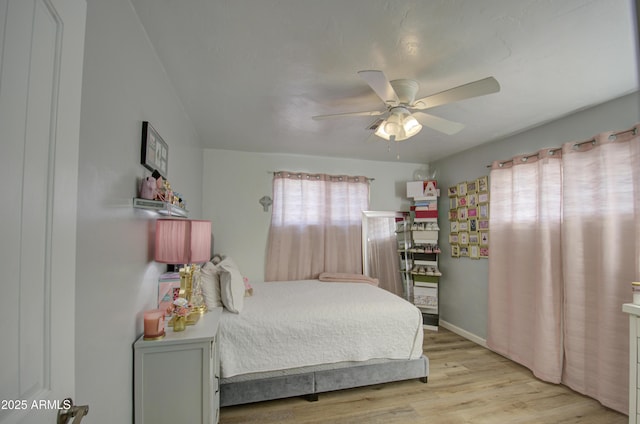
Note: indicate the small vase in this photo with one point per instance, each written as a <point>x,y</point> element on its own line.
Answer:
<point>180,324</point>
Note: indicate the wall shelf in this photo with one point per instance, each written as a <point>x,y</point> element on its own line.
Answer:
<point>163,208</point>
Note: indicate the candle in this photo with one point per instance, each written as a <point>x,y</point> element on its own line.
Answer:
<point>153,324</point>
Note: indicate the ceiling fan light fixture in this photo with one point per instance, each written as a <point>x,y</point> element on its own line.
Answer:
<point>400,124</point>
<point>411,126</point>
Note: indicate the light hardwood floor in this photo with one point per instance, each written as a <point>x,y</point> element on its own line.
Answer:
<point>467,384</point>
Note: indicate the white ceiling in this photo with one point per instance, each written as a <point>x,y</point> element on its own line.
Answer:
<point>252,73</point>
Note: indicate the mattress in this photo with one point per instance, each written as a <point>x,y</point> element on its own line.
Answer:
<point>295,324</point>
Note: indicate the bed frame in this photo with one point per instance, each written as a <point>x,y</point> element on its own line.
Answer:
<point>309,383</point>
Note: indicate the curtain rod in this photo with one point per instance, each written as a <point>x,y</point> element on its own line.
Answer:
<point>312,173</point>
<point>613,136</point>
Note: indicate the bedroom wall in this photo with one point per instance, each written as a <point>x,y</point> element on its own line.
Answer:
<point>235,181</point>
<point>463,289</point>
<point>123,85</point>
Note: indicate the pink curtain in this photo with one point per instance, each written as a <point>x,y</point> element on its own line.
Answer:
<point>600,254</point>
<point>557,281</point>
<point>315,225</point>
<point>525,268</point>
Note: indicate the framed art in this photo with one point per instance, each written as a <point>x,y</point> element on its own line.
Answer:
<point>453,191</point>
<point>483,197</point>
<point>464,251</point>
<point>453,203</point>
<point>462,214</point>
<point>474,238</point>
<point>484,252</point>
<point>453,215</point>
<point>472,200</point>
<point>473,224</point>
<point>453,238</point>
<point>474,252</point>
<point>154,151</point>
<point>462,189</point>
<point>463,238</point>
<point>483,184</point>
<point>471,186</point>
<point>483,211</point>
<point>472,212</point>
<point>453,226</point>
<point>455,251</point>
<point>483,224</point>
<point>463,225</point>
<point>484,238</point>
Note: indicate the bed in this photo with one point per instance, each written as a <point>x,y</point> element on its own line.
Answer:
<point>307,337</point>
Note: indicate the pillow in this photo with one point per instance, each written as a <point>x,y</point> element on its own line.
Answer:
<point>343,277</point>
<point>210,283</point>
<point>231,286</point>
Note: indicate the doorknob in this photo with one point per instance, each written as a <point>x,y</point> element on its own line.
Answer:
<point>72,411</point>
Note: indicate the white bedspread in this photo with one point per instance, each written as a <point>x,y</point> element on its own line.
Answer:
<point>295,324</point>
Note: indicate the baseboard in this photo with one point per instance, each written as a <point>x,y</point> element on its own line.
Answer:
<point>464,333</point>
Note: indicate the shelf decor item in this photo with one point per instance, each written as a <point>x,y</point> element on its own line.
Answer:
<point>154,151</point>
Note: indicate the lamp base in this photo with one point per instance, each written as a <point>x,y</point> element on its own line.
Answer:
<point>192,319</point>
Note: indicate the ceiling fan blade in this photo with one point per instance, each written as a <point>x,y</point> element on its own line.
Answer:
<point>343,115</point>
<point>439,124</point>
<point>473,89</point>
<point>380,84</point>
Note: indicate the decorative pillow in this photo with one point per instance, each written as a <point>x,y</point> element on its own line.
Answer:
<point>231,286</point>
<point>210,282</point>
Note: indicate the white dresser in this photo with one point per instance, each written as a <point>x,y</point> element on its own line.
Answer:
<point>634,359</point>
<point>177,379</point>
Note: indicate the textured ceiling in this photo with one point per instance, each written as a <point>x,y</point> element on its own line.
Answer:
<point>252,73</point>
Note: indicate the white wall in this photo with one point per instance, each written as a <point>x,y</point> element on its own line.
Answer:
<point>234,182</point>
<point>464,282</point>
<point>123,85</point>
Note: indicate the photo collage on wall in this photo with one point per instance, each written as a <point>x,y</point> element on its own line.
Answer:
<point>469,219</point>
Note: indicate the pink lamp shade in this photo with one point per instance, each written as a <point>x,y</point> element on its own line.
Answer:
<point>182,241</point>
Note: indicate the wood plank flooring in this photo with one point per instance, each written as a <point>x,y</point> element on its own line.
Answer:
<point>468,384</point>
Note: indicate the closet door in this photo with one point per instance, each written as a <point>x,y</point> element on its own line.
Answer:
<point>41,53</point>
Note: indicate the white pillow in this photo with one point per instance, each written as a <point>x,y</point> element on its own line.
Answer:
<point>210,282</point>
<point>231,286</point>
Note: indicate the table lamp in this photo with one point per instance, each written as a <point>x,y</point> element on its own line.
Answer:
<point>184,242</point>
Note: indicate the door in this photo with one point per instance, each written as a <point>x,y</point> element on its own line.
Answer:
<point>41,52</point>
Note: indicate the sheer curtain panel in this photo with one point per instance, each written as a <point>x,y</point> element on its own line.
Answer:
<point>601,214</point>
<point>525,264</point>
<point>315,225</point>
<point>565,245</point>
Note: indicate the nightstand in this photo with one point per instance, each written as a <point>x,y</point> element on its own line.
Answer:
<point>177,379</point>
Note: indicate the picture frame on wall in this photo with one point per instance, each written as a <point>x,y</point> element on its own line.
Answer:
<point>484,238</point>
<point>472,186</point>
<point>483,211</point>
<point>483,224</point>
<point>453,191</point>
<point>483,184</point>
<point>462,189</point>
<point>483,197</point>
<point>474,252</point>
<point>484,251</point>
<point>474,238</point>
<point>455,251</point>
<point>154,150</point>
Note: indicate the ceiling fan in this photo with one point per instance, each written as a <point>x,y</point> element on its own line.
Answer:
<point>404,112</point>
